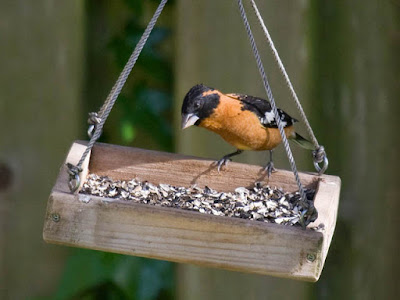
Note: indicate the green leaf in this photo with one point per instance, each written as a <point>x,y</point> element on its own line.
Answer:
<point>128,131</point>
<point>85,269</point>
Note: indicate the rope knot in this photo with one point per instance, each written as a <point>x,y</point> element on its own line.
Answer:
<point>93,121</point>
<point>94,118</point>
<point>308,216</point>
<point>308,212</point>
<point>319,156</point>
<point>74,178</point>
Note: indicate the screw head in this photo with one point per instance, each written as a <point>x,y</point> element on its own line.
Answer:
<point>55,217</point>
<point>311,257</point>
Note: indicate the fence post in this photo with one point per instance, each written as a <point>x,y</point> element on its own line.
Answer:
<point>41,79</point>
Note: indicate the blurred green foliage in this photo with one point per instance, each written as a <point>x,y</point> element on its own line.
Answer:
<point>144,108</point>
<point>98,275</point>
<point>145,104</point>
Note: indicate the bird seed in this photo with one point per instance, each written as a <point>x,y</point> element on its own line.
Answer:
<point>261,202</point>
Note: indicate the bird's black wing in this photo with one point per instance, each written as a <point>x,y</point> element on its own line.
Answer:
<point>263,109</point>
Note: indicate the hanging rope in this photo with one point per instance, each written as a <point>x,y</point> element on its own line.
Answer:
<point>97,120</point>
<point>319,154</point>
<point>310,211</point>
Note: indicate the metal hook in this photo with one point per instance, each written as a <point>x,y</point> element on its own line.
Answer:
<point>91,130</point>
<point>319,156</point>
<point>302,221</point>
<point>74,182</point>
<point>93,120</point>
<point>324,167</point>
<point>307,216</point>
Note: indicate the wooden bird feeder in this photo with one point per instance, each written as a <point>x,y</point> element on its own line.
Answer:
<point>183,236</point>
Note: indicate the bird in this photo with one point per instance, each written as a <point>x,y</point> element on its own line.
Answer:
<point>245,122</point>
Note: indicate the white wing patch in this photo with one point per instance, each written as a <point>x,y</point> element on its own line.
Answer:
<point>283,119</point>
<point>269,117</point>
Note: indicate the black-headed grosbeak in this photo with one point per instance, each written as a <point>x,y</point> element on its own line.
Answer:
<point>246,122</point>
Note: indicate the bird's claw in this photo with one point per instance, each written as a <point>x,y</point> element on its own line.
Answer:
<point>222,162</point>
<point>270,168</point>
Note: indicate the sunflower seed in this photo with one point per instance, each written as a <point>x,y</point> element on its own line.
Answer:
<point>261,203</point>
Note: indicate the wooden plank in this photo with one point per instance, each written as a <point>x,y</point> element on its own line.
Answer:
<point>327,204</point>
<point>124,163</point>
<point>184,236</point>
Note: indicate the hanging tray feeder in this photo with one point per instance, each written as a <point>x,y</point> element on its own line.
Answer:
<point>120,226</point>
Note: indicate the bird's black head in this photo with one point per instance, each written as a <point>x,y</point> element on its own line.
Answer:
<point>198,104</point>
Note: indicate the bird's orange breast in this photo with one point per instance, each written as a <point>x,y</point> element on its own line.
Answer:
<point>242,128</point>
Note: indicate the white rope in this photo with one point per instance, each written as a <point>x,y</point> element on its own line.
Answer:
<point>98,119</point>
<point>311,211</point>
<point>319,152</point>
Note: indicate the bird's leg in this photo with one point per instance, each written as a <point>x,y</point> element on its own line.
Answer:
<point>270,166</point>
<point>223,161</point>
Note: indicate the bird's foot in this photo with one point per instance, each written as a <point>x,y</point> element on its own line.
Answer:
<point>269,168</point>
<point>223,162</point>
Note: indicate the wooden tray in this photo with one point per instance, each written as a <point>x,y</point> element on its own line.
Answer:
<point>185,236</point>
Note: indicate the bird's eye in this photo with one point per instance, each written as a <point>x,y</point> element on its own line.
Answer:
<point>197,105</point>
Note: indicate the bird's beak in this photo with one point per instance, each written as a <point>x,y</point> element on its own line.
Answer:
<point>188,120</point>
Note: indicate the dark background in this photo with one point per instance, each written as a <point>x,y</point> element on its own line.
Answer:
<point>60,59</point>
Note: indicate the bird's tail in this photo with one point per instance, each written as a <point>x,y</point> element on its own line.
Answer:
<point>302,142</point>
